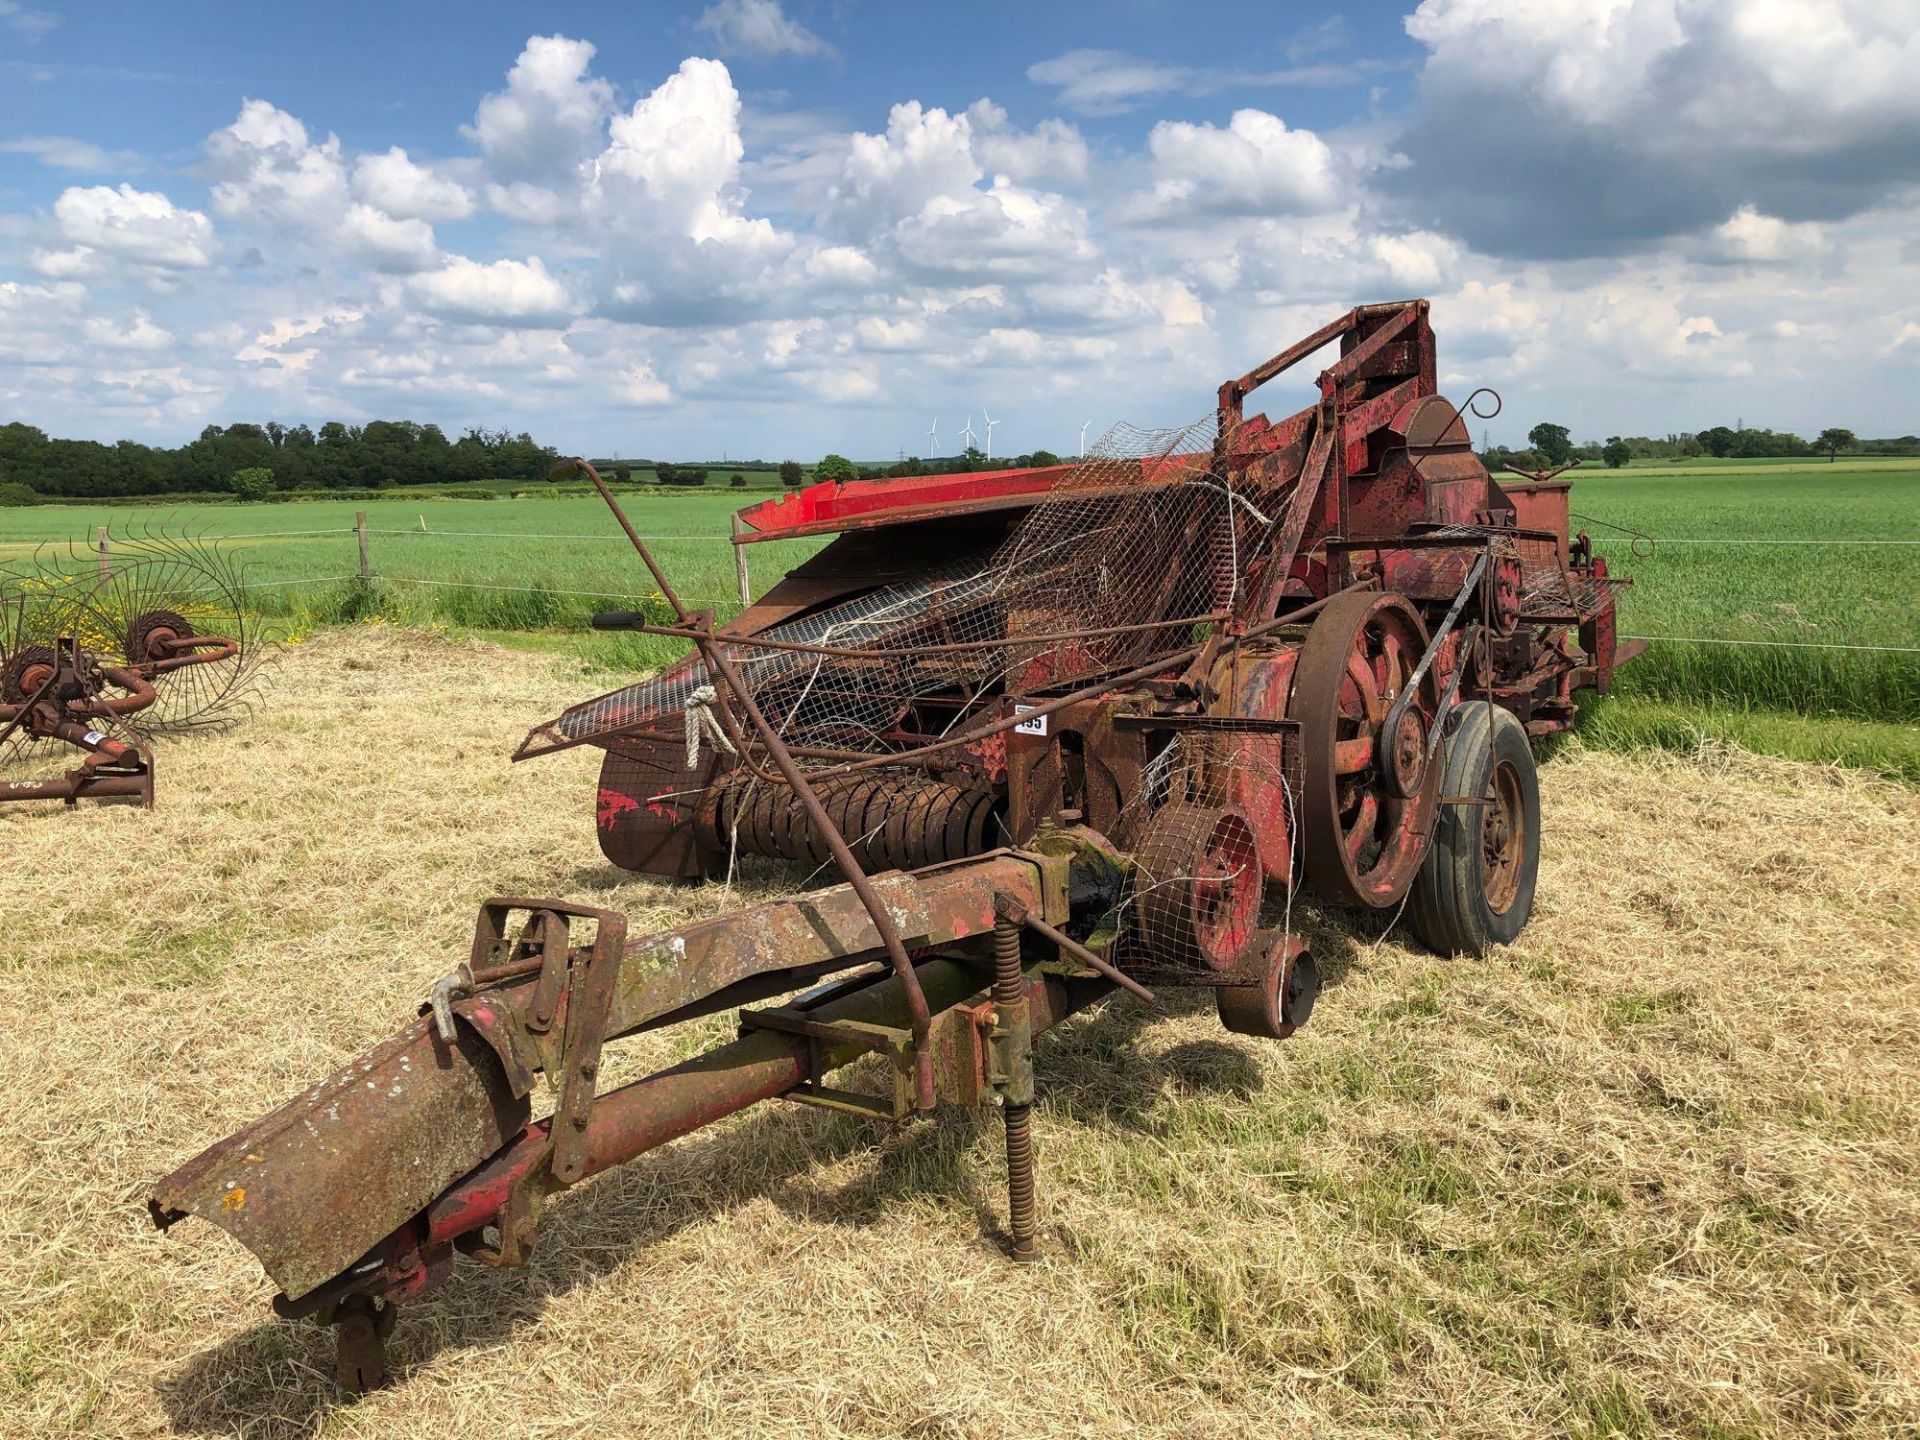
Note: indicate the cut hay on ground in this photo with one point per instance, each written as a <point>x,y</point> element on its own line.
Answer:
<point>1652,1172</point>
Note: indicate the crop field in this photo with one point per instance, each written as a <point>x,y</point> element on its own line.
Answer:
<point>1810,650</point>
<point>1649,1172</point>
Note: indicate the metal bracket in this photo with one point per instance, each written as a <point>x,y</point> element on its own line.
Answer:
<point>821,1035</point>
<point>574,987</point>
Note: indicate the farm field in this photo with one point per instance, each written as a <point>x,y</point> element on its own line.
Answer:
<point>1589,1186</point>
<point>1729,565</point>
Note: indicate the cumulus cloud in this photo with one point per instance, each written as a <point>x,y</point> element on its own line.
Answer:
<point>915,193</point>
<point>130,332</point>
<point>1601,126</point>
<point>1749,235</point>
<point>504,292</point>
<point>548,119</point>
<point>1254,166</point>
<point>384,243</point>
<point>1052,153</point>
<point>397,185</point>
<point>142,227</point>
<point>759,28</point>
<point>638,386</point>
<point>929,258</point>
<point>268,169</point>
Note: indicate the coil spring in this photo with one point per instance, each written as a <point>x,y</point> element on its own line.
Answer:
<point>891,822</point>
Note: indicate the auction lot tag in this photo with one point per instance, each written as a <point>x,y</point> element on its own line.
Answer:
<point>1035,726</point>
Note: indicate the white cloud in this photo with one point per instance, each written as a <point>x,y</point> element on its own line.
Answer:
<point>840,265</point>
<point>959,255</point>
<point>505,292</point>
<point>1111,82</point>
<point>638,385</point>
<point>885,178</point>
<point>132,332</point>
<point>548,119</point>
<point>398,186</point>
<point>267,169</point>
<point>678,151</point>
<point>1254,166</point>
<point>759,28</point>
<point>63,152</point>
<point>1005,230</point>
<point>1749,235</point>
<point>139,226</point>
<point>915,193</point>
<point>30,25</point>
<point>1053,152</point>
<point>73,264</point>
<point>1106,82</point>
<point>1415,262</point>
<point>384,243</point>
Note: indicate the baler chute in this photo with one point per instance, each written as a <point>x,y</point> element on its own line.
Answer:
<point>1060,731</point>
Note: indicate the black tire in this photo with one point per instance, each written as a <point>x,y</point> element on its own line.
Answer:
<point>1475,888</point>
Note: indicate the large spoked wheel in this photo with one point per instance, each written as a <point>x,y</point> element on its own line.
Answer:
<point>1475,890</point>
<point>1368,797</point>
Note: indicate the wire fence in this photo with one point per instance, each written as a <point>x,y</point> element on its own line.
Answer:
<point>362,533</point>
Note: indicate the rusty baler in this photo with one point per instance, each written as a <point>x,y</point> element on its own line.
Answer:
<point>1059,731</point>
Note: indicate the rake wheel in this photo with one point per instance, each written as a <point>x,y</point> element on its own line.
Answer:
<point>24,672</point>
<point>152,634</point>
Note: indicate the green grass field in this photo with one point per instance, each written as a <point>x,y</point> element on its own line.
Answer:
<point>532,570</point>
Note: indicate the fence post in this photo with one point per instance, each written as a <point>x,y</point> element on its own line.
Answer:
<point>740,562</point>
<point>360,529</point>
<point>106,551</point>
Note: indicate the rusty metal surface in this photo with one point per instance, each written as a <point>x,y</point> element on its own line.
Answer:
<point>309,1188</point>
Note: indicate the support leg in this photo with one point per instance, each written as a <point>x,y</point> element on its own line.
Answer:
<point>1015,1024</point>
<point>360,1327</point>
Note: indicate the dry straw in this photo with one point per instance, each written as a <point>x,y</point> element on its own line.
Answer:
<point>1651,1172</point>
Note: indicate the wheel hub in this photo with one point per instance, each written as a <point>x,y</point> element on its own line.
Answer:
<point>1407,753</point>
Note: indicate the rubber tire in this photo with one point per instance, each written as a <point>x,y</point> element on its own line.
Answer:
<point>1448,907</point>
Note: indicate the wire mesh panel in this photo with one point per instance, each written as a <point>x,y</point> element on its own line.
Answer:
<point>1212,829</point>
<point>1138,545</point>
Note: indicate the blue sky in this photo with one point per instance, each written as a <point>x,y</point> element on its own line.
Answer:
<point>775,227</point>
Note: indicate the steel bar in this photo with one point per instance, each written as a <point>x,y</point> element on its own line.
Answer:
<point>840,652</point>
<point>720,666</point>
<point>760,1065</point>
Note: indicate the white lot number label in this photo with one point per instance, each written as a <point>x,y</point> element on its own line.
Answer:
<point>1035,726</point>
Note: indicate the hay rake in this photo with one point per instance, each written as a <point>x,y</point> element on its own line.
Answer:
<point>1061,731</point>
<point>106,655</point>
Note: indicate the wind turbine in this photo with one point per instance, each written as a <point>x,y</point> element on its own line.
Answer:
<point>933,437</point>
<point>967,433</point>
<point>991,422</point>
<point>1083,438</point>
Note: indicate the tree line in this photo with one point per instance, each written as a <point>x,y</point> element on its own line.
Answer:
<point>1550,445</point>
<point>228,460</point>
